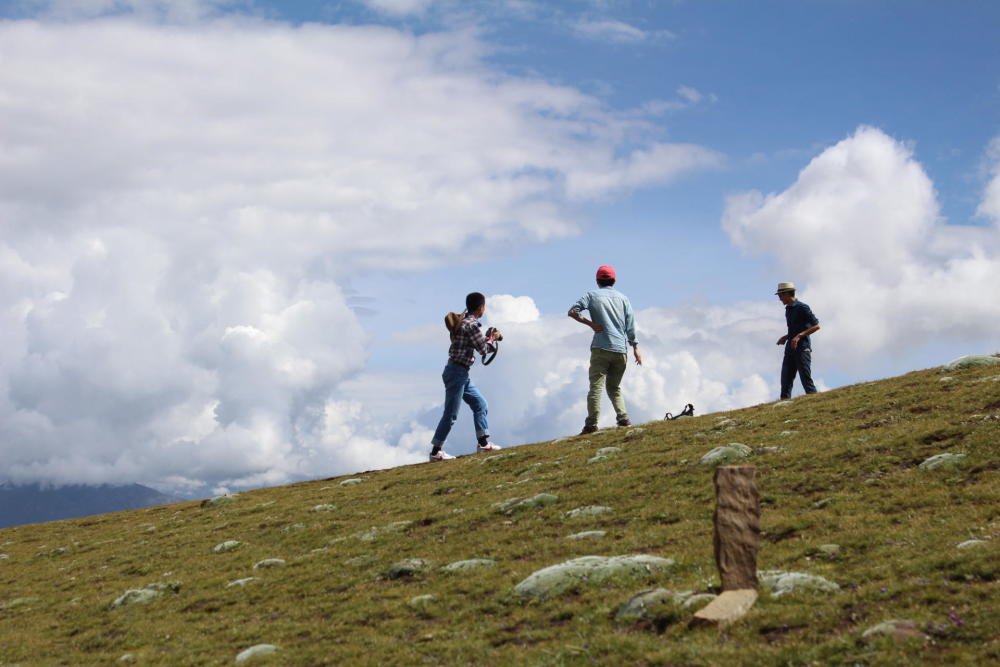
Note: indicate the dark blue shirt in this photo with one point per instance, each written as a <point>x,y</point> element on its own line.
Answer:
<point>799,318</point>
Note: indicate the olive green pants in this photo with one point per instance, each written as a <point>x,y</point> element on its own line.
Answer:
<point>606,371</point>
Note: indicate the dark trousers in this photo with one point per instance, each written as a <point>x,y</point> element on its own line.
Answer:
<point>798,361</point>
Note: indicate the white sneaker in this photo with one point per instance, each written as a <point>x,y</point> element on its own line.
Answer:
<point>488,447</point>
<point>441,456</point>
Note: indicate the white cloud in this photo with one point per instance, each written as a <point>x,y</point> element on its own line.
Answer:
<point>505,308</point>
<point>860,232</point>
<point>178,203</point>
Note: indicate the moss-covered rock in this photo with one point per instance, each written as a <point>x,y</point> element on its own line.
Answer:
<point>592,570</point>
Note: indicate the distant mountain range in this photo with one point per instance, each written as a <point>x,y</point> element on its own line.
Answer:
<point>33,503</point>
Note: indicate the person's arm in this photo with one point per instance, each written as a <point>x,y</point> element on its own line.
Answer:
<point>479,341</point>
<point>630,331</point>
<point>635,351</point>
<point>808,332</point>
<point>575,314</point>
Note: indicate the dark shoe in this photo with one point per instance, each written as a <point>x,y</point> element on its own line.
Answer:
<point>624,422</point>
<point>588,429</point>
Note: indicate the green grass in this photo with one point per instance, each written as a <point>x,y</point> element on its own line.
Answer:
<point>845,472</point>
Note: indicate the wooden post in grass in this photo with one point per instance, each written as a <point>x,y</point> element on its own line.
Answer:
<point>737,534</point>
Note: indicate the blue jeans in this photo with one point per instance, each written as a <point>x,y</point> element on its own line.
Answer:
<point>798,361</point>
<point>458,387</point>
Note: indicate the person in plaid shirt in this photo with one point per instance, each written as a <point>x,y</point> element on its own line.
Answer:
<point>466,339</point>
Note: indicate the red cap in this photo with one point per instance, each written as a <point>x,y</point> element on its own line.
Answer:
<point>606,273</point>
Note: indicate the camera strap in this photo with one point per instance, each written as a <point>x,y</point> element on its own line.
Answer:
<point>688,411</point>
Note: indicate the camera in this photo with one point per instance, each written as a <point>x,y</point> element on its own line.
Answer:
<point>494,333</point>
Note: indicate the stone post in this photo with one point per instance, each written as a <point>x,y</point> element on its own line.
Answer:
<point>737,527</point>
<point>737,533</point>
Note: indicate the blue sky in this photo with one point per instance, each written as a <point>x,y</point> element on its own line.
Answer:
<point>231,229</point>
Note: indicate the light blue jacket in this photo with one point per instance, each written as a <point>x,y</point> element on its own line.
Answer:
<point>612,311</point>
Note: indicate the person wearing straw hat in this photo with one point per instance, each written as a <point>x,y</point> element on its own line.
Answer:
<point>798,346</point>
<point>614,327</point>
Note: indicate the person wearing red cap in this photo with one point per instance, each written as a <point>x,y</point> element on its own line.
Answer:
<point>613,323</point>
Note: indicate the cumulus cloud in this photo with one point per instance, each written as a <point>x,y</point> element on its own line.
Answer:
<point>398,7</point>
<point>179,202</point>
<point>860,231</point>
<point>990,205</point>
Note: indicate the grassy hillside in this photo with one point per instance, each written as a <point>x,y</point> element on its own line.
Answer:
<point>838,468</point>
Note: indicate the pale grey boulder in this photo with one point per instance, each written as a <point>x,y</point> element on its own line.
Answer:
<point>968,544</point>
<point>512,505</point>
<point>323,507</point>
<point>352,481</point>
<point>587,512</point>
<point>228,545</point>
<point>734,451</point>
<point>240,582</point>
<point>422,603</point>
<point>255,652</point>
<point>408,567</point>
<point>592,570</point>
<point>945,460</point>
<point>587,535</point>
<point>470,564</point>
<point>779,582</point>
<point>970,361</point>
<point>136,596</point>
<point>658,606</point>
<point>269,562</point>
<point>897,629</point>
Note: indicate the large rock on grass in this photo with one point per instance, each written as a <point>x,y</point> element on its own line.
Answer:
<point>512,505</point>
<point>658,607</point>
<point>408,567</point>
<point>592,570</point>
<point>971,361</point>
<point>945,460</point>
<point>731,453</point>
<point>779,582</point>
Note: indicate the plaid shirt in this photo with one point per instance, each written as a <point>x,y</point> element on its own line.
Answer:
<point>466,341</point>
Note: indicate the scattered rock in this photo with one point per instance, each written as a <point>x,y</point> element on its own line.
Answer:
<point>357,561</point>
<point>970,361</point>
<point>734,451</point>
<point>779,582</point>
<point>593,570</point>
<point>781,404</point>
<point>896,629</point>
<point>787,433</point>
<point>19,602</point>
<point>325,507</point>
<point>946,460</point>
<point>228,545</point>
<point>822,503</point>
<point>352,481</point>
<point>4,557</point>
<point>422,603</point>
<point>587,534</point>
<point>374,533</point>
<point>946,378</point>
<point>829,550</point>
<point>220,500</point>
<point>658,607</point>
<point>498,457</point>
<point>634,433</point>
<point>588,511</point>
<point>408,567</point>
<point>136,596</point>
<point>293,528</point>
<point>471,564</point>
<point>608,451</point>
<point>536,467</point>
<point>128,657</point>
<point>512,505</point>
<point>269,562</point>
<point>240,582</point>
<point>971,543</point>
<point>255,651</point>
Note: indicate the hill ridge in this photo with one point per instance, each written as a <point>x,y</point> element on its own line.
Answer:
<point>343,571</point>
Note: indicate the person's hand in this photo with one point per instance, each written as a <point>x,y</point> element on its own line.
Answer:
<point>795,342</point>
<point>781,341</point>
<point>638,357</point>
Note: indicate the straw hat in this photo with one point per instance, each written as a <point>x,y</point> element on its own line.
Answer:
<point>785,287</point>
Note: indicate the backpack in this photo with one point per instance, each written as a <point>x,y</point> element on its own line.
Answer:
<point>687,412</point>
<point>452,322</point>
